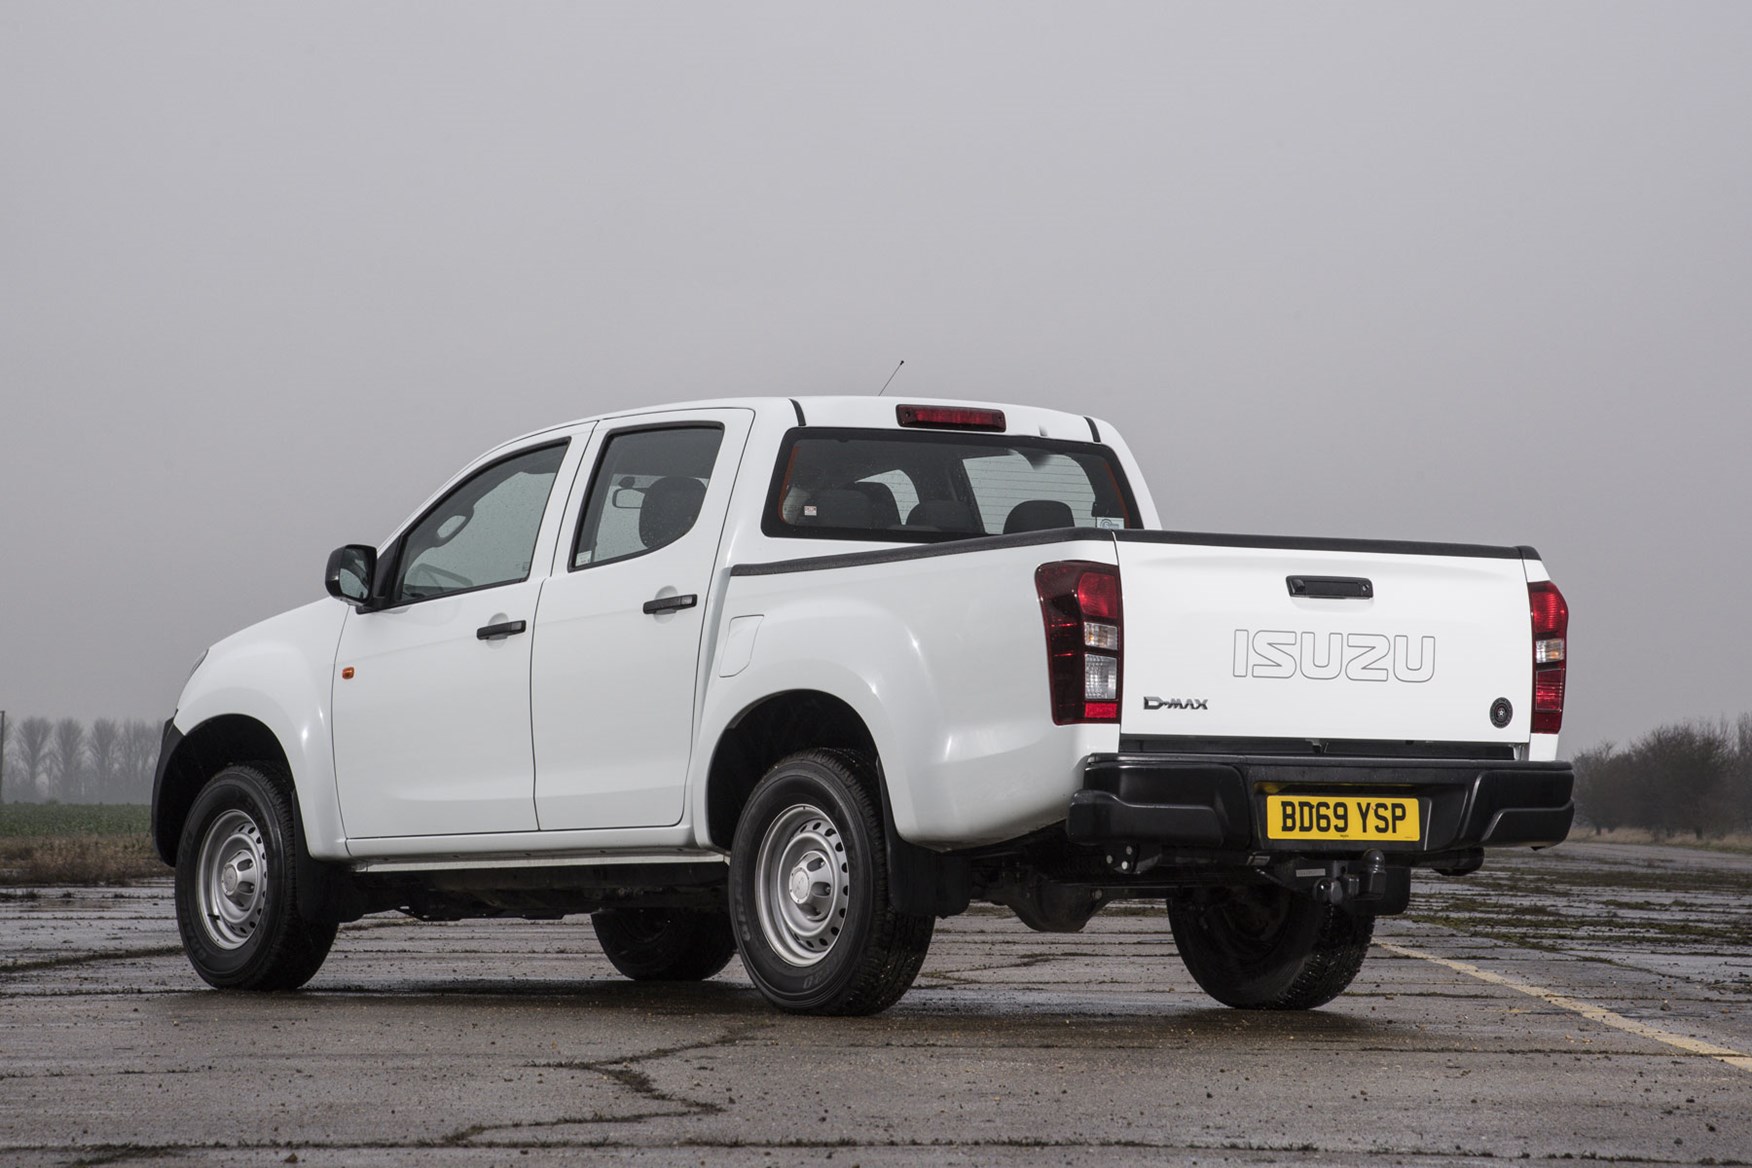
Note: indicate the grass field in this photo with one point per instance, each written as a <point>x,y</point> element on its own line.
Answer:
<point>76,843</point>
<point>34,820</point>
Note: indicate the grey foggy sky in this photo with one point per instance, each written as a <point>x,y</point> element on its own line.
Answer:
<point>1468,272</point>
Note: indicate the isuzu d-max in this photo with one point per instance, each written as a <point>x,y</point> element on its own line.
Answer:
<point>792,679</point>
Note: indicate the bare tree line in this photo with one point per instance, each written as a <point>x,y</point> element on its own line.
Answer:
<point>1688,778</point>
<point>66,760</point>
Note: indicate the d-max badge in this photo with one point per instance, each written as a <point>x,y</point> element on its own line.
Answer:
<point>1177,703</point>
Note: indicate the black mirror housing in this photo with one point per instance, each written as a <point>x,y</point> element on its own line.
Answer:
<point>351,569</point>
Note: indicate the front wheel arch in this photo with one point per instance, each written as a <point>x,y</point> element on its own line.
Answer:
<point>194,759</point>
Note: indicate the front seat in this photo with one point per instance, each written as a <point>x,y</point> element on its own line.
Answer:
<point>671,505</point>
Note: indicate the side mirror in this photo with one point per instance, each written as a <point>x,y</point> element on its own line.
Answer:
<point>350,572</point>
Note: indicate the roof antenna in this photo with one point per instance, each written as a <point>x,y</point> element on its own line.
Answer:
<point>890,380</point>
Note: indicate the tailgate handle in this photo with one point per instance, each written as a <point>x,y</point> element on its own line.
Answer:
<point>1331,587</point>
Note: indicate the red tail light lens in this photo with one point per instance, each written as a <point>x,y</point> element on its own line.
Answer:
<point>950,417</point>
<point>1080,606</point>
<point>1550,655</point>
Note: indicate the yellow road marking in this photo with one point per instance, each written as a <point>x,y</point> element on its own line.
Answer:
<point>1586,1009</point>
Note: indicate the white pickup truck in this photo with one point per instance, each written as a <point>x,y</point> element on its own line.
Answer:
<point>794,678</point>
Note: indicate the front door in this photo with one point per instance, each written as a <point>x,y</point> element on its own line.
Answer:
<point>617,640</point>
<point>431,694</point>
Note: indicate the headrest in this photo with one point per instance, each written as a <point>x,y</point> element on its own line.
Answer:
<point>1039,515</point>
<point>884,511</point>
<point>944,515</point>
<point>671,505</point>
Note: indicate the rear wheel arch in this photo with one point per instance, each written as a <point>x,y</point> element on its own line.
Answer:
<point>773,729</point>
<point>920,882</point>
<point>203,752</point>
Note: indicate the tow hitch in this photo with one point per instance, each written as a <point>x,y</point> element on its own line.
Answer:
<point>1364,885</point>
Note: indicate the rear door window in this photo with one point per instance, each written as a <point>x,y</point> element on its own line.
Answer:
<point>647,492</point>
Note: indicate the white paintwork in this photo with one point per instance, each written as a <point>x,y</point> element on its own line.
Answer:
<point>614,686</point>
<point>1423,659</point>
<point>277,672</point>
<point>943,657</point>
<point>432,732</point>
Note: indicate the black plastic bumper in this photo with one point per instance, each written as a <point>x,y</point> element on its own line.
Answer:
<point>1217,802</point>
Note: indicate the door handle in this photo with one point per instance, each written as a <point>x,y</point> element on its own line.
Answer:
<point>671,603</point>
<point>498,631</point>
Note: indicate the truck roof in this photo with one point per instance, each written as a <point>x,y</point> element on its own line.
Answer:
<point>864,412</point>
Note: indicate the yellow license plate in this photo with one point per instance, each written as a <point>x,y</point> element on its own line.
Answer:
<point>1363,818</point>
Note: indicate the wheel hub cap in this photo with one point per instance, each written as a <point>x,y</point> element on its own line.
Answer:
<point>804,885</point>
<point>231,879</point>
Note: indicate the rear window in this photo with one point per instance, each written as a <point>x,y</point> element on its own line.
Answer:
<point>924,487</point>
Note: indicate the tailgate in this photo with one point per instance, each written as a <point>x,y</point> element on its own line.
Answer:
<point>1406,644</point>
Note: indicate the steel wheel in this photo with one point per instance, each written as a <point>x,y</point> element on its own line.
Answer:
<point>231,888</point>
<point>247,914</point>
<point>803,884</point>
<point>808,895</point>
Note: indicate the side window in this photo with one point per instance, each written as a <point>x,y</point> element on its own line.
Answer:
<point>482,533</point>
<point>646,492</point>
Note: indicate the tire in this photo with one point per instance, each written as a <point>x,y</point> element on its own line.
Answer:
<point>665,944</point>
<point>1263,947</point>
<point>820,946</point>
<point>237,885</point>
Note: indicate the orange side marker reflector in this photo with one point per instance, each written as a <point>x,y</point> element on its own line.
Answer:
<point>347,673</point>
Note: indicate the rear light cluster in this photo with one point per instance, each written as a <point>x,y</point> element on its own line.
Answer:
<point>1079,602</point>
<point>1550,634</point>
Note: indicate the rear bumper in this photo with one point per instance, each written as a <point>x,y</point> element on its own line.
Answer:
<point>1216,803</point>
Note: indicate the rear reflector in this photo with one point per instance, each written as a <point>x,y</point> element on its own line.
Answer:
<point>1080,606</point>
<point>1550,655</point>
<point>950,417</point>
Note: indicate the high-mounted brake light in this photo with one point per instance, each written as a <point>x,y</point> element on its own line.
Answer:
<point>1550,655</point>
<point>1079,602</point>
<point>950,417</point>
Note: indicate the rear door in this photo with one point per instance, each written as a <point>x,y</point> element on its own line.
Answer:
<point>1322,642</point>
<point>617,638</point>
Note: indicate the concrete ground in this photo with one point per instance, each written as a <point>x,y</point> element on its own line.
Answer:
<point>1594,1002</point>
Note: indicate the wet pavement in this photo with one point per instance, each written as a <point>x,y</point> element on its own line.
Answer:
<point>1594,1002</point>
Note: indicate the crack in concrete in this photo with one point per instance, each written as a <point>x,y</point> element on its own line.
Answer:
<point>622,1070</point>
